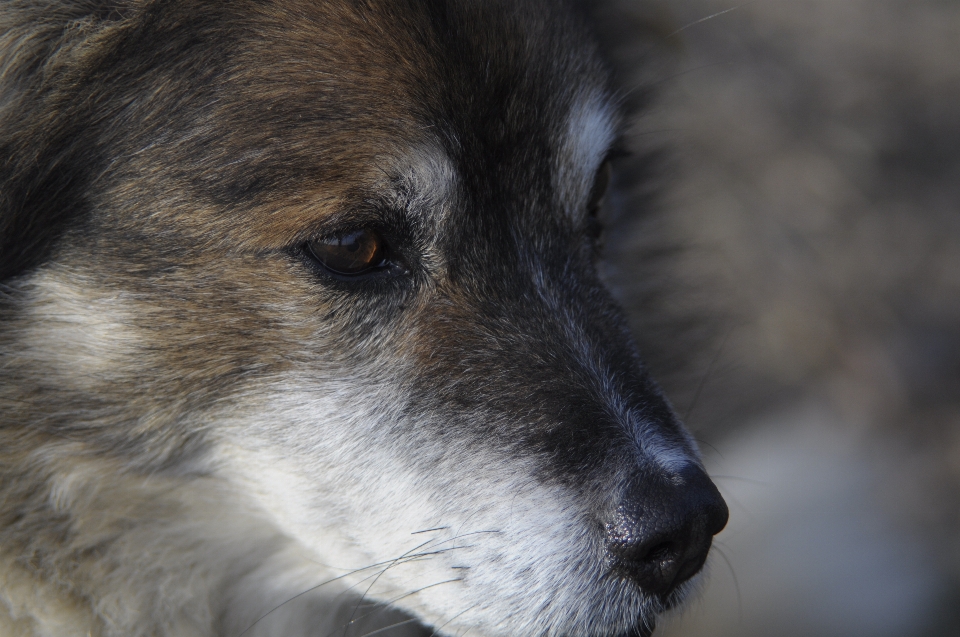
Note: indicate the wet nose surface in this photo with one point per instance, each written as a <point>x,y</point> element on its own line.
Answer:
<point>662,528</point>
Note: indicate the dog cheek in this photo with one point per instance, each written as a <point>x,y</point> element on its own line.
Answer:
<point>82,335</point>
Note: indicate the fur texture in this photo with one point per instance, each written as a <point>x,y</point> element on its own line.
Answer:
<point>205,431</point>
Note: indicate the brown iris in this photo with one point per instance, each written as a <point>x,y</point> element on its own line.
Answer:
<point>351,253</point>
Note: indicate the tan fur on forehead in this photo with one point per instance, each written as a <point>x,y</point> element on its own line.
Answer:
<point>248,132</point>
<point>309,76</point>
<point>316,73</point>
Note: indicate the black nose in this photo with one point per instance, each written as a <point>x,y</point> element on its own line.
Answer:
<point>662,529</point>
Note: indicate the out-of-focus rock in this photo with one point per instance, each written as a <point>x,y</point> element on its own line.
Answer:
<point>805,250</point>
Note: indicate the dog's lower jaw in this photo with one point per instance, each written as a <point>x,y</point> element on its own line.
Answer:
<point>230,567</point>
<point>302,605</point>
<point>503,593</point>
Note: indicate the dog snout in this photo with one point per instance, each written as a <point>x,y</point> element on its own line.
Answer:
<point>662,529</point>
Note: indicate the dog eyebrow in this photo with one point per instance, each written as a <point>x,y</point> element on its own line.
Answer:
<point>591,129</point>
<point>424,179</point>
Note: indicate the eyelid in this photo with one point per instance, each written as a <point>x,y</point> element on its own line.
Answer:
<point>349,252</point>
<point>600,187</point>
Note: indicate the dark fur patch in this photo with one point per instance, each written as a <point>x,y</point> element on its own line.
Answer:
<point>172,158</point>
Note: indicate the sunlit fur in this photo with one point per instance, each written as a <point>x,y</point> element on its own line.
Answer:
<point>203,432</point>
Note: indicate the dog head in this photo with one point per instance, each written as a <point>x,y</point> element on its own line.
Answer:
<point>343,257</point>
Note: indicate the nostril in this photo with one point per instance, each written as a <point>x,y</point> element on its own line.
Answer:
<point>661,552</point>
<point>662,530</point>
<point>655,564</point>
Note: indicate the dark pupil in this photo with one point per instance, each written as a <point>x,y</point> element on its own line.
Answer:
<point>348,254</point>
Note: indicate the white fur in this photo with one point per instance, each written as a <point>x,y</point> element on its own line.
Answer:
<point>590,130</point>
<point>329,488</point>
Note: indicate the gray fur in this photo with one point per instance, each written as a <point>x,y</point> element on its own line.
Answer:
<point>207,433</point>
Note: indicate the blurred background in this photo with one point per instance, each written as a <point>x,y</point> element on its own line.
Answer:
<point>794,281</point>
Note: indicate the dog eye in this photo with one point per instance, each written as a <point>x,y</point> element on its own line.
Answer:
<point>594,227</point>
<point>599,192</point>
<point>352,253</point>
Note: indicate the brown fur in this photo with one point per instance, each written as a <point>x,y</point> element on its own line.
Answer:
<point>165,163</point>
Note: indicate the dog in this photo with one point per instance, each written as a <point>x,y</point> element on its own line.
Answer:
<point>303,330</point>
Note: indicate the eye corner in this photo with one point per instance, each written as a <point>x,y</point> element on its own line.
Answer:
<point>600,188</point>
<point>593,217</point>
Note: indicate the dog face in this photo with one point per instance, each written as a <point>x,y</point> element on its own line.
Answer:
<point>342,257</point>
